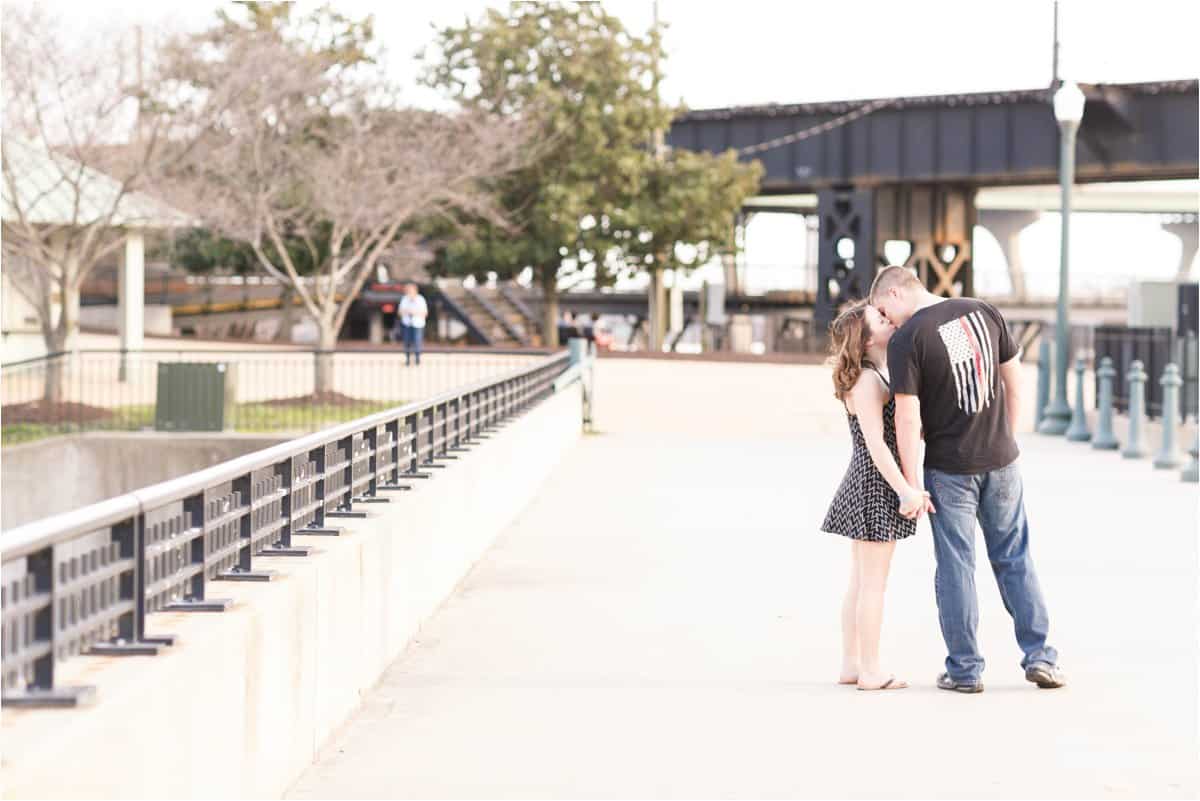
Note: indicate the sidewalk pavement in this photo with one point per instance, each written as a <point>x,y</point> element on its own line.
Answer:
<point>663,622</point>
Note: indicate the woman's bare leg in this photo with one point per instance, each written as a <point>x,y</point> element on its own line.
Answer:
<point>874,561</point>
<point>849,673</point>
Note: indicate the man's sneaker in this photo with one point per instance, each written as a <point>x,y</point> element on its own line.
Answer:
<point>1045,675</point>
<point>944,682</point>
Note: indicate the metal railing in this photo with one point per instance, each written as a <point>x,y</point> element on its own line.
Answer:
<point>1028,332</point>
<point>1155,348</point>
<point>267,390</point>
<point>84,582</point>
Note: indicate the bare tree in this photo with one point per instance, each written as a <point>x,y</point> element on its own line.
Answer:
<point>308,150</point>
<point>77,156</point>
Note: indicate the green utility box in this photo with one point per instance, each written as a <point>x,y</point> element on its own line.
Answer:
<point>192,396</point>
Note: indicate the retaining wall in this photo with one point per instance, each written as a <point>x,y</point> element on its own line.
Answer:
<point>45,478</point>
<point>239,706</point>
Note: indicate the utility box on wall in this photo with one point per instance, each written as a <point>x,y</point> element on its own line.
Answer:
<point>192,396</point>
<point>1153,304</point>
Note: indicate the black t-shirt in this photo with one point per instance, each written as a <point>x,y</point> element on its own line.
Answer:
<point>949,355</point>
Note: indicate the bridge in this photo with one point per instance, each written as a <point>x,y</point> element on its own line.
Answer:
<point>469,597</point>
<point>921,171</point>
<point>909,169</point>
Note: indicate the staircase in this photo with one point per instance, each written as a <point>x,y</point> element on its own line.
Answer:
<point>507,301</point>
<point>488,314</point>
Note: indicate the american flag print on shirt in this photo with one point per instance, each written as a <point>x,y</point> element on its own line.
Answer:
<point>970,351</point>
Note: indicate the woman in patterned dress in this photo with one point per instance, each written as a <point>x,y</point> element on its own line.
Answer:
<point>874,506</point>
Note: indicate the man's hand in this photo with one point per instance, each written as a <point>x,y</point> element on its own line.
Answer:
<point>915,504</point>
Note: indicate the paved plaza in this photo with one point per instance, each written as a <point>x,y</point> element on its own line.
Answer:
<point>663,622</point>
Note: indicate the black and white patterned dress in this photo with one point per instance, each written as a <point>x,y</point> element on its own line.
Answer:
<point>865,506</point>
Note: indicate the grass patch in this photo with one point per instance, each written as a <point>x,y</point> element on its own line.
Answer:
<point>247,418</point>
<point>19,433</point>
<point>260,418</point>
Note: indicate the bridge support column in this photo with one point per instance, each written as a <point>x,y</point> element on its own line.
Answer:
<point>847,251</point>
<point>1188,236</point>
<point>855,223</point>
<point>1007,226</point>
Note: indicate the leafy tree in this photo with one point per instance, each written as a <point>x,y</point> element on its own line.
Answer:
<point>591,84</point>
<point>601,197</point>
<point>683,214</point>
<point>199,250</point>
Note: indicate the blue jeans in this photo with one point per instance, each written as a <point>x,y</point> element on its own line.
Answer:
<point>413,338</point>
<point>996,500</point>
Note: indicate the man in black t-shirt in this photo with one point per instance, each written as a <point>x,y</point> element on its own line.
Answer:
<point>956,374</point>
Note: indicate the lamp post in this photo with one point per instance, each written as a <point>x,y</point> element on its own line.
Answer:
<point>1068,110</point>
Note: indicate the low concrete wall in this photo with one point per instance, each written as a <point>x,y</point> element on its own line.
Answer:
<point>58,475</point>
<point>243,701</point>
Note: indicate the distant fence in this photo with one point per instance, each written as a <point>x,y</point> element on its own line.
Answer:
<point>1155,348</point>
<point>84,582</point>
<point>265,391</point>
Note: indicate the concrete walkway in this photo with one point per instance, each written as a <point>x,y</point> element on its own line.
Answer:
<point>663,622</point>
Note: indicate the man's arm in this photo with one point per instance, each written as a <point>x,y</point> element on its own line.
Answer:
<point>908,438</point>
<point>1010,374</point>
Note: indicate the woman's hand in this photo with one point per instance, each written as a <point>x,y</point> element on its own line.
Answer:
<point>914,503</point>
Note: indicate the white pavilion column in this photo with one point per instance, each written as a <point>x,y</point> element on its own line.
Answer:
<point>131,297</point>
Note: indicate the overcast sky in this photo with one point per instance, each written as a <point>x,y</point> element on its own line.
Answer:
<point>726,52</point>
<point>735,52</point>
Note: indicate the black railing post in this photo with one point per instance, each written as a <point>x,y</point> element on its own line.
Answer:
<point>372,437</point>
<point>445,428</point>
<point>131,637</point>
<point>347,447</point>
<point>394,428</point>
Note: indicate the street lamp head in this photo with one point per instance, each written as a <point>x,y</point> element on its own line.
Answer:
<point>1068,103</point>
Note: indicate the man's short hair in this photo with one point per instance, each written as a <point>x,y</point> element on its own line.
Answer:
<point>894,276</point>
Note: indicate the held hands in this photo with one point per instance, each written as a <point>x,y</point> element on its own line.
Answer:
<point>914,503</point>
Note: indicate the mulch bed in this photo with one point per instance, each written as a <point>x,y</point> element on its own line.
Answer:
<point>62,412</point>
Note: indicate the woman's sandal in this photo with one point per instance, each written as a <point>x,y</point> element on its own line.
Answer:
<point>890,684</point>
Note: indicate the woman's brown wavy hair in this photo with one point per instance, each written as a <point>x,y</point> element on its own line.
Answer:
<point>848,347</point>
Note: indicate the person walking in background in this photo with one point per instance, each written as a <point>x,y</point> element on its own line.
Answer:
<point>413,311</point>
<point>567,329</point>
<point>956,373</point>
<point>600,333</point>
